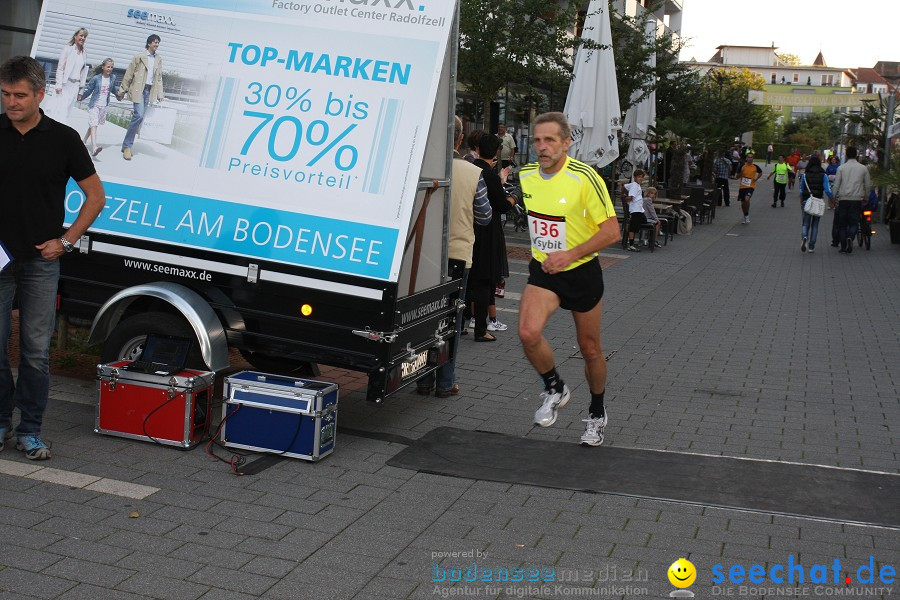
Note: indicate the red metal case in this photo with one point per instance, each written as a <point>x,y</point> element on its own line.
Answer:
<point>172,410</point>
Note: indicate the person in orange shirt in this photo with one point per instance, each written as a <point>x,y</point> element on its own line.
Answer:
<point>748,175</point>
<point>792,159</point>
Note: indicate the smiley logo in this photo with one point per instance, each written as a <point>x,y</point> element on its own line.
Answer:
<point>682,573</point>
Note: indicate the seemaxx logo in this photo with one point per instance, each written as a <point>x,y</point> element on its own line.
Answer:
<point>395,4</point>
<point>794,572</point>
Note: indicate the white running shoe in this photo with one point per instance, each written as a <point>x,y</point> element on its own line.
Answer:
<point>551,402</point>
<point>593,431</point>
<point>472,323</point>
<point>496,325</point>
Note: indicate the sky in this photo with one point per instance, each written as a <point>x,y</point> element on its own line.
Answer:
<point>849,34</point>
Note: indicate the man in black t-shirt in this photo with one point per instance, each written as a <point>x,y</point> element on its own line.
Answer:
<point>39,156</point>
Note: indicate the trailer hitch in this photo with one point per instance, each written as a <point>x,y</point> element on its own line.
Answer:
<point>376,336</point>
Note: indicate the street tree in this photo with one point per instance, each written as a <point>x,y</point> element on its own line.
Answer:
<point>522,41</point>
<point>710,114</point>
<point>788,58</point>
<point>890,176</point>
<point>531,45</point>
<point>633,50</point>
<point>812,131</point>
<point>868,127</point>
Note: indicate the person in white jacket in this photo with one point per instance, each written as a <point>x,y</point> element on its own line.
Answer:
<point>71,73</point>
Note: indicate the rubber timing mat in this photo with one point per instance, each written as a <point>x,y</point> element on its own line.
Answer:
<point>787,488</point>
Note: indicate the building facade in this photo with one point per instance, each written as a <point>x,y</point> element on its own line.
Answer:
<point>794,90</point>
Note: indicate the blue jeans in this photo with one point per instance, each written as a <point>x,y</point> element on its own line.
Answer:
<point>446,374</point>
<point>34,281</point>
<point>137,118</point>
<point>810,227</point>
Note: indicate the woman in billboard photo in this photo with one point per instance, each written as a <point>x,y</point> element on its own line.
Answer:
<point>71,73</point>
<point>98,91</point>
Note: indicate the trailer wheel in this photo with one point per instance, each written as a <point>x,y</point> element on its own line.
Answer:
<point>127,340</point>
<point>279,365</point>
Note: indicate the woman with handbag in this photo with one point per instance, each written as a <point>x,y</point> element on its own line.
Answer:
<point>813,187</point>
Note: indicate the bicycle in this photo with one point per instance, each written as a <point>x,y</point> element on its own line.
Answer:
<point>517,215</point>
<point>864,236</point>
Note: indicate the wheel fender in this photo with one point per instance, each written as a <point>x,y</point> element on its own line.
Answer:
<point>194,308</point>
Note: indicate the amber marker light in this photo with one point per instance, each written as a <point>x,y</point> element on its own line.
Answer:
<point>306,310</point>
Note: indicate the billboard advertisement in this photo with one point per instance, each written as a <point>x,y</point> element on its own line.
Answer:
<point>283,131</point>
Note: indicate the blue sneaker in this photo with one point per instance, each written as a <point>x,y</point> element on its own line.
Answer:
<point>5,434</point>
<point>33,447</point>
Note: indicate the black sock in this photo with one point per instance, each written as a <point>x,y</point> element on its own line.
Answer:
<point>552,381</point>
<point>597,409</point>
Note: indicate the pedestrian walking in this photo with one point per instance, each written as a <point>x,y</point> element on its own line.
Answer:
<point>851,186</point>
<point>722,168</point>
<point>813,182</point>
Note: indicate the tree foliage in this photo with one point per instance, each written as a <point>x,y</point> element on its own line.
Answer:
<point>788,58</point>
<point>815,130</point>
<point>530,43</point>
<point>522,41</point>
<point>714,109</point>
<point>889,177</point>
<point>633,49</point>
<point>868,127</point>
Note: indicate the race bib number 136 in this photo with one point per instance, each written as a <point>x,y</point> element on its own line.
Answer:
<point>548,232</point>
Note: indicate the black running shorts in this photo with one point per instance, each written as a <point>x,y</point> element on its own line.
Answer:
<point>745,193</point>
<point>579,289</point>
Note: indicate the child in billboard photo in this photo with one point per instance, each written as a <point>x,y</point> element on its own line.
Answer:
<point>98,92</point>
<point>71,73</point>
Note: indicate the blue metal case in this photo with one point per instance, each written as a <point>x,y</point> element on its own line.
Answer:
<point>281,415</point>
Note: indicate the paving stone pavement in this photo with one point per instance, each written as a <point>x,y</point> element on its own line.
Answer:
<point>728,342</point>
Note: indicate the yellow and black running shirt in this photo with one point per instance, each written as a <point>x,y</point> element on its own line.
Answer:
<point>564,210</point>
<point>781,172</point>
<point>748,175</point>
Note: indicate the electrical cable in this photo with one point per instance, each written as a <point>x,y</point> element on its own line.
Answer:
<point>160,407</point>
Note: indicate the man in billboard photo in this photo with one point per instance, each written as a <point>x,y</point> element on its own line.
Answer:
<point>143,85</point>
<point>39,156</point>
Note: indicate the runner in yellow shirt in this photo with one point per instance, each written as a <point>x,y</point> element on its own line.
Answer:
<point>749,175</point>
<point>780,171</point>
<point>570,219</point>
